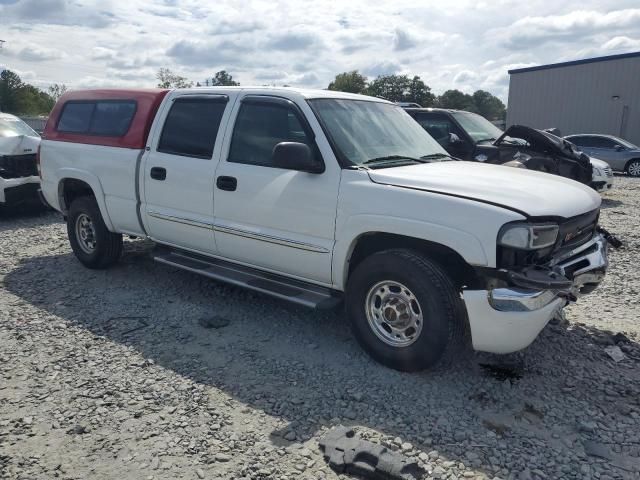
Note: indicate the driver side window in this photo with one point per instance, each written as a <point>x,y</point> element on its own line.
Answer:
<point>259,128</point>
<point>439,127</point>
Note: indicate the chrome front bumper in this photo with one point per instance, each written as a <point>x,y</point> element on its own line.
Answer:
<point>585,267</point>
<point>504,320</point>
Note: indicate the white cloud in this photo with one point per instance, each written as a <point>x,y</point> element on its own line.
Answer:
<point>464,44</point>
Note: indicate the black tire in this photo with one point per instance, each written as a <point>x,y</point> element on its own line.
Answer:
<point>443,319</point>
<point>633,168</point>
<point>107,245</point>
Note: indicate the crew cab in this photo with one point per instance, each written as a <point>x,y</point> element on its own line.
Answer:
<point>324,199</point>
<point>19,181</point>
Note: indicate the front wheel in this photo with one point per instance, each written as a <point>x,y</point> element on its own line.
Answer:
<point>405,310</point>
<point>93,244</point>
<point>633,168</point>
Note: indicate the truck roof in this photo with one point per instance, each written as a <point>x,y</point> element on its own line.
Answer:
<point>147,103</point>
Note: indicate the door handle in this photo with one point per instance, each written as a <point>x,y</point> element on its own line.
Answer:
<point>158,173</point>
<point>227,183</point>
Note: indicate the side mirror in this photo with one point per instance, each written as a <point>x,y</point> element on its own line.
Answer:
<point>454,139</point>
<point>618,148</point>
<point>295,156</point>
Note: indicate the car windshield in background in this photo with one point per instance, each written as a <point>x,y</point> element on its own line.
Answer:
<point>374,132</point>
<point>479,128</point>
<point>12,127</point>
<point>625,143</point>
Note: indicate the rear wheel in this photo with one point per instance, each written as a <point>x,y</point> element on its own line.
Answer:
<point>633,168</point>
<point>405,310</point>
<point>93,244</point>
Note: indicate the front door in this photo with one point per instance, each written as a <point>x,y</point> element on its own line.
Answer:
<point>277,219</point>
<point>179,169</point>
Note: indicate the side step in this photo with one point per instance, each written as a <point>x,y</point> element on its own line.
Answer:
<point>295,291</point>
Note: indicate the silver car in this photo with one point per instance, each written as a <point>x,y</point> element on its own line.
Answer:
<point>622,155</point>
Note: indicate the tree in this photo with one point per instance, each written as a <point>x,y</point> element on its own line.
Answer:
<point>352,82</point>
<point>168,79</point>
<point>401,88</point>
<point>22,98</point>
<point>10,84</point>
<point>489,106</point>
<point>223,79</point>
<point>57,90</point>
<point>457,100</point>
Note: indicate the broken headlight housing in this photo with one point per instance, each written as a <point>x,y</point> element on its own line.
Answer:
<point>528,236</point>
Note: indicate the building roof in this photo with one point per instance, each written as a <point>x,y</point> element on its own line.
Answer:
<point>575,62</point>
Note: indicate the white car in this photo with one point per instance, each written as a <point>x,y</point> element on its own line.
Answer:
<point>325,198</point>
<point>602,175</point>
<point>19,180</point>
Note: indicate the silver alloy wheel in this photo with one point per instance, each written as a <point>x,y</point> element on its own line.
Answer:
<point>394,314</point>
<point>85,233</point>
<point>634,169</point>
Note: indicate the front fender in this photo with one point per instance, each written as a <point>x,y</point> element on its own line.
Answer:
<point>468,246</point>
<point>91,180</point>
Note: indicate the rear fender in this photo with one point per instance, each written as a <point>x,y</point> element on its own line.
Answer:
<point>96,187</point>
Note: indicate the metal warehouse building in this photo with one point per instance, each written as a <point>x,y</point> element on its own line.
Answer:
<point>596,95</point>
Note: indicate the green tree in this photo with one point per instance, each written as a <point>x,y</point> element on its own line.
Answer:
<point>22,98</point>
<point>401,88</point>
<point>457,100</point>
<point>352,82</point>
<point>57,90</point>
<point>168,79</point>
<point>10,84</point>
<point>489,106</point>
<point>223,79</point>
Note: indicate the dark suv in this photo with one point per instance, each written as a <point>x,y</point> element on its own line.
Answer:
<point>469,136</point>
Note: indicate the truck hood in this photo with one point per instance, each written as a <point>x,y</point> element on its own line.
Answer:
<point>535,194</point>
<point>19,145</point>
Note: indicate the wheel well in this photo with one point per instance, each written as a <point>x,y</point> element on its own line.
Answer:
<point>461,272</point>
<point>70,189</point>
<point>629,161</point>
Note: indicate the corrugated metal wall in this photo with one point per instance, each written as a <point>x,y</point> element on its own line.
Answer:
<point>579,98</point>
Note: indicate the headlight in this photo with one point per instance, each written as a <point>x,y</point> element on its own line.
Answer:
<point>526,236</point>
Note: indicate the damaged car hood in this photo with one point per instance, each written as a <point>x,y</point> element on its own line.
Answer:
<point>543,142</point>
<point>534,193</point>
<point>19,145</point>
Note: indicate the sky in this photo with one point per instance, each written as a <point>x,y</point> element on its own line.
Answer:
<point>454,44</point>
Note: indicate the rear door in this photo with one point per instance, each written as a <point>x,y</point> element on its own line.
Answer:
<point>440,126</point>
<point>178,170</point>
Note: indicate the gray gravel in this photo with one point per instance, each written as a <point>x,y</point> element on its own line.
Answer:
<point>114,374</point>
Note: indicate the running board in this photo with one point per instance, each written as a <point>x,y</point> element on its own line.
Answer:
<point>296,291</point>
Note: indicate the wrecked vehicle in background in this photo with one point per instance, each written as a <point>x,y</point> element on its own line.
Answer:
<point>469,136</point>
<point>19,180</point>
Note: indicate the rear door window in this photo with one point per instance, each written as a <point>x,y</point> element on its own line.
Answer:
<point>191,127</point>
<point>438,126</point>
<point>107,118</point>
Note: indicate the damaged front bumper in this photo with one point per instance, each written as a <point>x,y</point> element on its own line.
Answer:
<point>507,319</point>
<point>16,190</point>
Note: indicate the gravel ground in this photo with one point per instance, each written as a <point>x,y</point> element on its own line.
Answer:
<point>111,374</point>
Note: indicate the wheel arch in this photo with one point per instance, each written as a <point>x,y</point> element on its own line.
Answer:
<point>74,183</point>
<point>626,165</point>
<point>368,243</point>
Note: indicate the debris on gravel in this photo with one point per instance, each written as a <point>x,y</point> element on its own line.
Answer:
<point>111,374</point>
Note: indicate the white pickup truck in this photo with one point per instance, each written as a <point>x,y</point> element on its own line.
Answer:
<point>320,198</point>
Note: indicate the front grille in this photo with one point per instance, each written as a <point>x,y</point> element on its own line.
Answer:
<point>16,166</point>
<point>577,230</point>
<point>608,172</point>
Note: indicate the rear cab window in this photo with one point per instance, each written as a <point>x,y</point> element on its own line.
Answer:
<point>107,118</point>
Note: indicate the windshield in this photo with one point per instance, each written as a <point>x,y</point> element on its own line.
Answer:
<point>363,130</point>
<point>479,128</point>
<point>12,127</point>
